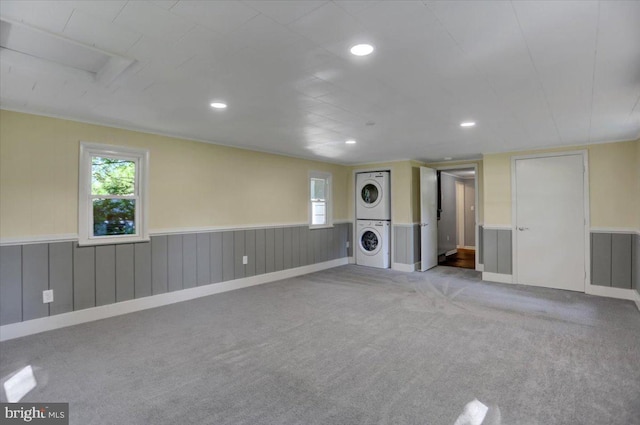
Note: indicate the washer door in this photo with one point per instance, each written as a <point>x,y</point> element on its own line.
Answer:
<point>370,241</point>
<point>370,194</point>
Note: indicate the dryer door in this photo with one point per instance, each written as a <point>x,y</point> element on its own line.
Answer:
<point>370,241</point>
<point>370,193</point>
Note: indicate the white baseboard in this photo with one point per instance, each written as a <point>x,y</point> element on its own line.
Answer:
<point>480,267</point>
<point>401,267</point>
<point>606,291</point>
<point>497,277</point>
<point>352,260</point>
<point>29,327</point>
<point>453,251</point>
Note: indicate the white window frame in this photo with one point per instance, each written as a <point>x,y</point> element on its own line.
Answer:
<point>327,177</point>
<point>85,202</point>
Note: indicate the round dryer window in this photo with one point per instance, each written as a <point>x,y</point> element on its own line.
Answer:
<point>369,193</point>
<point>369,241</point>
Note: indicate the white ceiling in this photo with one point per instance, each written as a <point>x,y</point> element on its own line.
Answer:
<point>530,73</point>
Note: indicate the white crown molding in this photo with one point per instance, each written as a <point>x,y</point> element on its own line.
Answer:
<point>30,327</point>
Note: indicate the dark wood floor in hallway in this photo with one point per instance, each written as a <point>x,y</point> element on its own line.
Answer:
<point>465,258</point>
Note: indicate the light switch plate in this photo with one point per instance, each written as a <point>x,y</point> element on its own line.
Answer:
<point>245,259</point>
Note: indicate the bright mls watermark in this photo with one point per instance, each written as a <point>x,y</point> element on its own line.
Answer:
<point>35,413</point>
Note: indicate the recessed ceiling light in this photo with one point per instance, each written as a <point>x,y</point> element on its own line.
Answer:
<point>350,142</point>
<point>448,158</point>
<point>467,124</point>
<point>218,105</point>
<point>362,49</point>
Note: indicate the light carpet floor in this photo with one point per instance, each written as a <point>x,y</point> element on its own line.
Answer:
<point>350,345</point>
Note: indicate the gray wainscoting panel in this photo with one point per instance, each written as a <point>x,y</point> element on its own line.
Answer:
<point>61,277</point>
<point>238,252</point>
<point>343,238</point>
<point>142,270</point>
<point>10,284</point>
<point>504,251</point>
<point>250,252</point>
<point>174,262</point>
<point>350,239</point>
<point>304,245</point>
<point>601,259</point>
<point>124,272</point>
<point>84,275</point>
<point>189,260</point>
<point>621,260</point>
<point>105,274</point>
<point>400,244</point>
<point>228,265</point>
<point>216,257</point>
<point>270,254</point>
<point>324,244</point>
<point>635,267</point>
<point>278,246</point>
<point>35,279</point>
<point>203,260</point>
<point>480,247</point>
<point>490,248</point>
<point>159,259</point>
<point>295,247</point>
<point>416,244</point>
<point>260,255</point>
<point>287,234</point>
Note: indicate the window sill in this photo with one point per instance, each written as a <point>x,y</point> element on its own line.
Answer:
<point>321,226</point>
<point>113,241</point>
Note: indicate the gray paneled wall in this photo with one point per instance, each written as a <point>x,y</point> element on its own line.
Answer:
<point>614,259</point>
<point>406,249</point>
<point>496,250</point>
<point>635,264</point>
<point>85,277</point>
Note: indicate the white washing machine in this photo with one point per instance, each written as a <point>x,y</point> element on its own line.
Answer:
<point>373,196</point>
<point>374,239</point>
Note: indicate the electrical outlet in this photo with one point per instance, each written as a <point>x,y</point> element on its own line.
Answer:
<point>47,296</point>
<point>447,237</point>
<point>245,259</point>
<point>347,244</point>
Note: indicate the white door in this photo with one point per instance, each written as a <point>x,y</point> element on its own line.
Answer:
<point>550,222</point>
<point>428,218</point>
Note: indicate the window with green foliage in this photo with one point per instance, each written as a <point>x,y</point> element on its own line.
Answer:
<point>112,194</point>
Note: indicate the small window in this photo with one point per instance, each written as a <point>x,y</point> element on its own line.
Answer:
<point>112,194</point>
<point>320,199</point>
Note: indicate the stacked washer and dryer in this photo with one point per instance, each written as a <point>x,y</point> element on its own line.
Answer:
<point>373,219</point>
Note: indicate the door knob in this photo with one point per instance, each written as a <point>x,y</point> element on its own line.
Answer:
<point>523,228</point>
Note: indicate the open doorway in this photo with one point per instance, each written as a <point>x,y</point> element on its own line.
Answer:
<point>457,218</point>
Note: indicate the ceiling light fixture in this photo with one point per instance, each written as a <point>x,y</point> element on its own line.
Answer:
<point>218,105</point>
<point>362,49</point>
<point>467,124</point>
<point>350,142</point>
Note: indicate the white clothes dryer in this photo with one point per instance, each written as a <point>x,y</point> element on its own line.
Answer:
<point>373,196</point>
<point>373,242</point>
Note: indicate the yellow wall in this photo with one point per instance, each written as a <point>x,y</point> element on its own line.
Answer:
<point>614,184</point>
<point>192,184</point>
